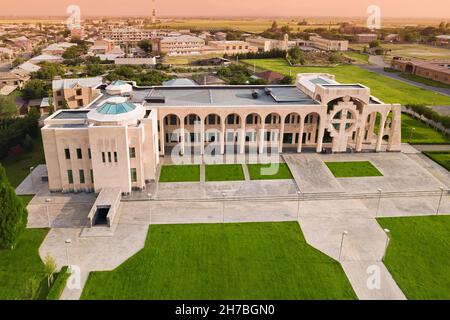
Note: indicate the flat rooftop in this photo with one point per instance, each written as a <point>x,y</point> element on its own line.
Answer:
<point>227,96</point>
<point>71,114</point>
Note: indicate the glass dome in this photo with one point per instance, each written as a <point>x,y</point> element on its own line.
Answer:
<point>116,108</point>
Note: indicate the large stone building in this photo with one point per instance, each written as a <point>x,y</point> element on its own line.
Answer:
<point>118,139</point>
<point>178,45</point>
<point>264,44</point>
<point>433,70</point>
<point>328,44</point>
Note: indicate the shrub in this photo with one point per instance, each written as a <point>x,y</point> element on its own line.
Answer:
<point>15,151</point>
<point>60,283</point>
<point>430,114</point>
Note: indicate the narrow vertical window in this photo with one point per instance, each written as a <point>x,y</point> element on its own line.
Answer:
<point>79,153</point>
<point>92,176</point>
<point>133,175</point>
<point>70,176</point>
<point>89,153</point>
<point>132,152</point>
<point>103,157</point>
<point>81,174</point>
<point>109,156</point>
<point>115,156</point>
<point>67,152</point>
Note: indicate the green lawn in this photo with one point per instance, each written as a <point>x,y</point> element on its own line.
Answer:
<point>357,57</point>
<point>441,157</point>
<point>419,254</point>
<point>352,169</point>
<point>282,172</point>
<point>223,261</point>
<point>422,134</point>
<point>18,169</point>
<point>20,266</point>
<point>224,172</point>
<point>387,89</point>
<point>180,173</point>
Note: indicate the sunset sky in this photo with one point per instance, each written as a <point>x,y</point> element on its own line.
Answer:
<point>189,8</point>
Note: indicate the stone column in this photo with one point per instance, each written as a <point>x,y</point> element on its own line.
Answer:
<point>162,138</point>
<point>202,137</point>
<point>222,136</point>
<point>182,137</point>
<point>242,138</point>
<point>262,136</point>
<point>280,137</point>
<point>380,134</point>
<point>320,133</point>
<point>300,135</point>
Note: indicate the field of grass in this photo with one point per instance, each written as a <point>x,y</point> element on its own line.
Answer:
<point>425,81</point>
<point>387,89</point>
<point>418,51</point>
<point>418,255</point>
<point>224,172</point>
<point>352,169</point>
<point>223,261</point>
<point>441,157</point>
<point>180,173</point>
<point>23,266</point>
<point>358,57</point>
<point>282,172</point>
<point>17,169</point>
<point>422,133</point>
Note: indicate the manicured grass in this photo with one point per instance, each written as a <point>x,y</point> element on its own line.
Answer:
<point>21,266</point>
<point>18,168</point>
<point>224,172</point>
<point>422,134</point>
<point>280,172</point>
<point>223,261</point>
<point>418,255</point>
<point>425,81</point>
<point>387,89</point>
<point>180,173</point>
<point>441,157</point>
<point>352,169</point>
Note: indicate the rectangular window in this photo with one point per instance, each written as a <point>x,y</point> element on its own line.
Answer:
<point>103,157</point>
<point>67,152</point>
<point>132,152</point>
<point>89,153</point>
<point>79,154</point>
<point>133,175</point>
<point>81,173</point>
<point>109,156</point>
<point>92,175</point>
<point>115,156</point>
<point>70,176</point>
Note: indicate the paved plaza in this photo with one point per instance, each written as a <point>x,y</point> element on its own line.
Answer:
<point>325,208</point>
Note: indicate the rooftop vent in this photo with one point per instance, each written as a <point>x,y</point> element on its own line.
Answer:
<point>268,91</point>
<point>156,99</point>
<point>255,94</point>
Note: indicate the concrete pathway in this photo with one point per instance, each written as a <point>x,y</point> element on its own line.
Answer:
<point>432,147</point>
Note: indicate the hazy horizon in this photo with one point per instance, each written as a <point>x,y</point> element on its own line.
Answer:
<point>229,9</point>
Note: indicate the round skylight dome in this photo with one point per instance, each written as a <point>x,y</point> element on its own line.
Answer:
<point>119,87</point>
<point>116,107</point>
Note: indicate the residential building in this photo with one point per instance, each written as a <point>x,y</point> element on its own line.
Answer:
<point>13,79</point>
<point>329,44</point>
<point>75,93</point>
<point>433,70</point>
<point>57,49</point>
<point>122,36</point>
<point>46,58</point>
<point>127,129</point>
<point>443,40</point>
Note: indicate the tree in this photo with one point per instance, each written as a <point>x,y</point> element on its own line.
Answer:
<point>94,70</point>
<point>13,216</point>
<point>145,45</point>
<point>8,108</point>
<point>287,80</point>
<point>48,71</point>
<point>49,268</point>
<point>374,44</point>
<point>34,89</point>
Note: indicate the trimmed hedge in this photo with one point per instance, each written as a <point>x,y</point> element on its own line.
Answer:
<point>60,283</point>
<point>430,114</point>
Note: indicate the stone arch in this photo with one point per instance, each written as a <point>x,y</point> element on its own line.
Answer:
<point>191,119</point>
<point>212,119</point>
<point>293,118</point>
<point>253,119</point>
<point>272,118</point>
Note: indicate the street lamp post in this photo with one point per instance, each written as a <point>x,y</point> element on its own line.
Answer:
<point>440,200</point>
<point>47,203</point>
<point>411,134</point>
<point>68,241</point>
<point>298,203</point>
<point>379,202</point>
<point>342,243</point>
<point>223,207</point>
<point>387,241</point>
<point>149,195</point>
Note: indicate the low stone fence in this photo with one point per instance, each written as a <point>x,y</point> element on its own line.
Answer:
<point>436,125</point>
